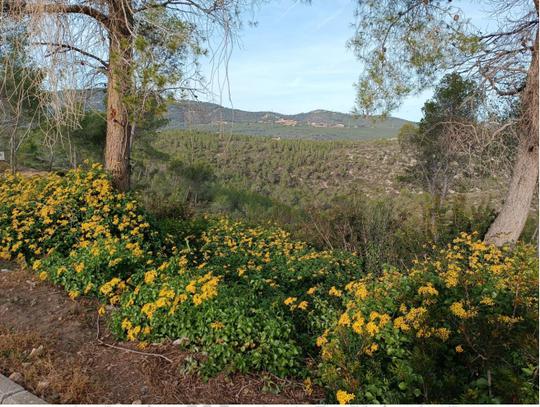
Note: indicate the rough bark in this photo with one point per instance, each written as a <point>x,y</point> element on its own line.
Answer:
<point>510,221</point>
<point>118,140</point>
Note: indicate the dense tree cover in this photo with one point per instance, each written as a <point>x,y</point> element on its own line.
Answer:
<point>406,45</point>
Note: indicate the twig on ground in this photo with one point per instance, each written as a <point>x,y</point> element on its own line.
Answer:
<point>101,342</point>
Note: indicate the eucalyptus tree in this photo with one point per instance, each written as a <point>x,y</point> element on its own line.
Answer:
<point>406,45</point>
<point>144,50</point>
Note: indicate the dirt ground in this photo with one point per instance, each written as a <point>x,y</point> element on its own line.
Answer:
<point>70,365</point>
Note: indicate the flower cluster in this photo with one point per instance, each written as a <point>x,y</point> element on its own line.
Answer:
<point>459,312</point>
<point>251,298</point>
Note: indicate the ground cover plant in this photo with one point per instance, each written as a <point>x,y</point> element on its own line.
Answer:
<point>461,325</point>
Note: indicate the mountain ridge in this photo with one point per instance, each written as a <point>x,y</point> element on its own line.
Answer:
<point>315,124</point>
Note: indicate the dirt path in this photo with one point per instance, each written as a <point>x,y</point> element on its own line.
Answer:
<point>72,367</point>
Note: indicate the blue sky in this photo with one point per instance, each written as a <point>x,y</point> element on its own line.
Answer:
<point>296,60</point>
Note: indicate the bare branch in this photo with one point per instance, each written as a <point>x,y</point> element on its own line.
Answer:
<point>67,47</point>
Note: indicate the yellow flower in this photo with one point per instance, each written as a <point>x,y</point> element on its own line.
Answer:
<point>400,323</point>
<point>149,309</point>
<point>357,326</point>
<point>428,290</point>
<point>150,276</point>
<point>344,319</point>
<point>458,310</point>
<point>343,397</point>
<point>79,267</point>
<point>312,290</point>
<point>192,287</point>
<point>308,386</point>
<point>321,340</point>
<point>73,294</point>
<point>459,349</point>
<point>162,302</point>
<point>290,300</point>
<point>372,328</point>
<point>372,348</point>
<point>43,276</point>
<point>126,324</point>
<point>101,310</point>
<point>443,333</point>
<point>487,301</point>
<point>133,333</point>
<point>335,292</point>
<point>303,305</point>
<point>216,325</point>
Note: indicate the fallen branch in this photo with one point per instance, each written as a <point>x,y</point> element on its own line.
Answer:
<point>101,342</point>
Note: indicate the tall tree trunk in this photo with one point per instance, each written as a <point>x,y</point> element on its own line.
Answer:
<point>510,222</point>
<point>118,140</point>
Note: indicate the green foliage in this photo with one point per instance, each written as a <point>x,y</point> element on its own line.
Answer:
<point>20,88</point>
<point>251,298</point>
<point>59,213</point>
<point>240,296</point>
<point>435,143</point>
<point>405,46</point>
<point>458,327</point>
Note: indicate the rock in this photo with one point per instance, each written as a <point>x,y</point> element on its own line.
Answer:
<point>42,386</point>
<point>5,271</point>
<point>16,377</point>
<point>181,341</point>
<point>36,352</point>
<point>137,401</point>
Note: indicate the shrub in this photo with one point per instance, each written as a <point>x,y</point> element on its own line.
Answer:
<point>41,215</point>
<point>246,298</point>
<point>459,327</point>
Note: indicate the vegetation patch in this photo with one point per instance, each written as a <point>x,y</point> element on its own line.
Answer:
<point>458,326</point>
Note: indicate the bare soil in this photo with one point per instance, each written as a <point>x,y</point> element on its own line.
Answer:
<point>75,367</point>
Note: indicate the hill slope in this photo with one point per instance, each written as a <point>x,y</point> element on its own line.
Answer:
<point>314,125</point>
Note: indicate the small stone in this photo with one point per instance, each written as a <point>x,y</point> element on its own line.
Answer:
<point>137,401</point>
<point>5,270</point>
<point>36,352</point>
<point>26,365</point>
<point>181,341</point>
<point>16,377</point>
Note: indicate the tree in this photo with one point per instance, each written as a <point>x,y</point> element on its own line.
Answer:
<point>455,103</point>
<point>20,87</point>
<point>406,45</point>
<point>141,48</point>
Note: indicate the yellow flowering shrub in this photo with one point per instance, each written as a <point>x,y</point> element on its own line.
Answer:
<point>459,327</point>
<point>52,213</point>
<point>243,295</point>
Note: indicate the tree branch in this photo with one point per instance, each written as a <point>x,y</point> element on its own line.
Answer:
<point>17,6</point>
<point>68,47</point>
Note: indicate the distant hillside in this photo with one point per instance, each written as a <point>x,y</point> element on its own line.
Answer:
<point>315,125</point>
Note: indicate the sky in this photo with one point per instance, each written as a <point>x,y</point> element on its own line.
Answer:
<point>295,60</point>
